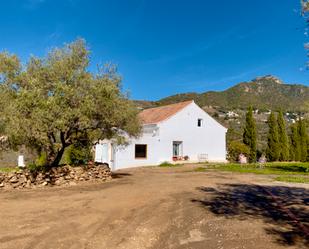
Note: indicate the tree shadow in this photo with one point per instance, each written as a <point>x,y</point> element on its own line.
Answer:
<point>285,208</point>
<point>116,175</point>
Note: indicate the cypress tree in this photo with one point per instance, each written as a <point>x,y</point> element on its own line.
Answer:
<point>294,144</point>
<point>283,138</point>
<point>291,148</point>
<point>307,148</point>
<point>249,135</point>
<point>301,127</point>
<point>272,151</point>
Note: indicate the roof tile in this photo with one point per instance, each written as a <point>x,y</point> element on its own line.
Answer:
<point>158,114</point>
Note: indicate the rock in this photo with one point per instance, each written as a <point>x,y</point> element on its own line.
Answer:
<point>28,184</point>
<point>57,182</point>
<point>13,179</point>
<point>31,177</point>
<point>10,175</point>
<point>67,177</point>
<point>16,185</point>
<point>56,176</point>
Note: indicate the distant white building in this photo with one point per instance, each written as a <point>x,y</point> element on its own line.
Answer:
<point>231,114</point>
<point>177,132</point>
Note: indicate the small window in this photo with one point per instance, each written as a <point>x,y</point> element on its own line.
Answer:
<point>199,122</point>
<point>141,151</point>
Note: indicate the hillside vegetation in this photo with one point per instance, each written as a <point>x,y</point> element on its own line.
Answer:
<point>266,93</point>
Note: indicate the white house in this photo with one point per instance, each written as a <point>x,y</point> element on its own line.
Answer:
<point>176,132</point>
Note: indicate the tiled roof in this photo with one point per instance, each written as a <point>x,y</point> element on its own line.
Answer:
<point>158,114</point>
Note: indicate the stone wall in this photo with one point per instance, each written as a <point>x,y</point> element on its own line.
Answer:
<point>58,176</point>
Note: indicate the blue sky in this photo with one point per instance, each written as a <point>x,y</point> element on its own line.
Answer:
<point>167,47</point>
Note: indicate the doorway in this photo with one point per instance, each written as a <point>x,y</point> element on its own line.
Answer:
<point>177,149</point>
<point>101,153</point>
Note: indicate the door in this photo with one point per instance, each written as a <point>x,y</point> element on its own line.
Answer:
<point>101,153</point>
<point>177,149</point>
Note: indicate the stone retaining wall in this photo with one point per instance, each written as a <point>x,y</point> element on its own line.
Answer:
<point>58,176</point>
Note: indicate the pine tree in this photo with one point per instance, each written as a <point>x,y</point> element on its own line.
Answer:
<point>301,127</point>
<point>294,144</point>
<point>272,151</point>
<point>283,138</point>
<point>249,135</point>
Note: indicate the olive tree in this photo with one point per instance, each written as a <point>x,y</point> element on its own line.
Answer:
<point>53,102</point>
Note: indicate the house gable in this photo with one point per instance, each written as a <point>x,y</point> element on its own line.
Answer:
<point>194,115</point>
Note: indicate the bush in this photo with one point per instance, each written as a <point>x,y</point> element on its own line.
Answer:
<point>41,160</point>
<point>166,164</point>
<point>77,154</point>
<point>236,148</point>
<point>39,163</point>
<point>35,168</point>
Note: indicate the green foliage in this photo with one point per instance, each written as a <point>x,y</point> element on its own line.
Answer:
<point>8,169</point>
<point>295,151</point>
<point>273,148</point>
<point>273,168</point>
<point>307,148</point>
<point>294,179</point>
<point>35,168</point>
<point>54,102</point>
<point>303,139</point>
<point>200,169</point>
<point>236,148</point>
<point>249,135</point>
<point>41,160</point>
<point>167,164</point>
<point>299,142</point>
<point>283,138</point>
<point>259,93</point>
<point>78,154</point>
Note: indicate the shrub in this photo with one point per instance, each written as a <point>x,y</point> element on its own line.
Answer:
<point>166,164</point>
<point>35,168</point>
<point>236,148</point>
<point>41,160</point>
<point>39,163</point>
<point>77,154</point>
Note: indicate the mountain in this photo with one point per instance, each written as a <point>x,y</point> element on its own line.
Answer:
<point>266,93</point>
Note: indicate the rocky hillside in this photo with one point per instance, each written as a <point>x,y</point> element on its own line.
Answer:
<point>266,93</point>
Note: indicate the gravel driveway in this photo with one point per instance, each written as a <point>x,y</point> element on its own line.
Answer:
<point>159,208</point>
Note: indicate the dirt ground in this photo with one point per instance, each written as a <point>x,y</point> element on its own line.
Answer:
<point>159,208</point>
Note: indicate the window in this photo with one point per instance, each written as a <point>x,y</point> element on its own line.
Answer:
<point>141,151</point>
<point>199,122</point>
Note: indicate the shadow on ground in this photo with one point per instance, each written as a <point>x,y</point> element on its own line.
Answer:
<point>116,175</point>
<point>283,208</point>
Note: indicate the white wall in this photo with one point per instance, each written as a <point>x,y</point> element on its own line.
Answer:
<point>208,139</point>
<point>125,155</point>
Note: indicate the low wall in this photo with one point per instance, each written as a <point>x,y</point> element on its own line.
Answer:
<point>57,176</point>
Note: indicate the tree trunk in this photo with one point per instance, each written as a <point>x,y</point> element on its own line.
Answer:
<point>54,158</point>
<point>58,157</point>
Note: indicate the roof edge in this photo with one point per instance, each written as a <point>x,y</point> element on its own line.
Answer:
<point>189,102</point>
